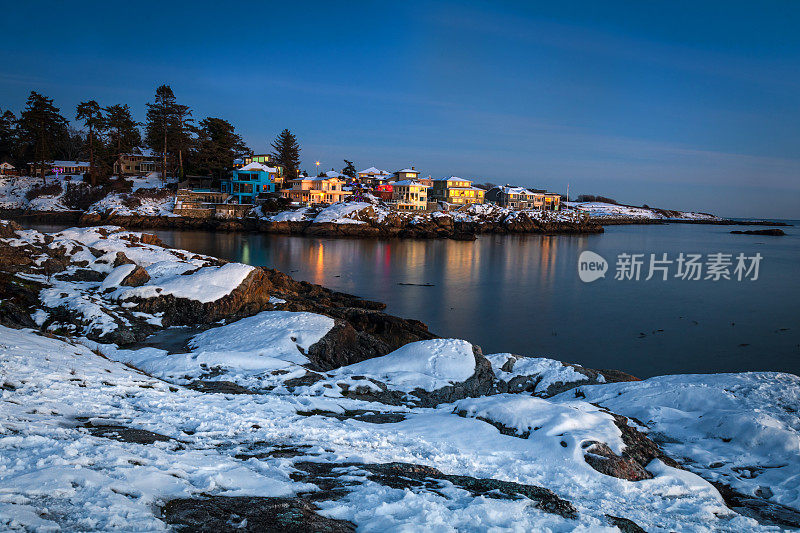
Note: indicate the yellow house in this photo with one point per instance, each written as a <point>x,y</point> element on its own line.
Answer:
<point>410,195</point>
<point>320,190</point>
<point>455,190</point>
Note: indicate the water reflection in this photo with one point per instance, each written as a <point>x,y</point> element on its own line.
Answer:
<point>522,294</point>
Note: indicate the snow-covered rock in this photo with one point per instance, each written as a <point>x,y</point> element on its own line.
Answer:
<point>742,430</point>
<point>425,365</point>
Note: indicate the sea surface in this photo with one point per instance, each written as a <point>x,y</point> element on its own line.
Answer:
<point>522,294</point>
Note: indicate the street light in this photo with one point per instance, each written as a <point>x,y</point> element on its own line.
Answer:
<point>317,163</point>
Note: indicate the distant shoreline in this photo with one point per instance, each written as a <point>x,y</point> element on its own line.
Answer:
<point>458,231</point>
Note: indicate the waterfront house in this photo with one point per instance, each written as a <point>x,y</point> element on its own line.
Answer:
<point>522,198</point>
<point>63,167</point>
<point>7,169</point>
<point>320,190</point>
<point>410,195</point>
<point>205,203</point>
<point>406,174</point>
<point>134,165</point>
<point>372,177</point>
<point>455,190</point>
<point>247,182</point>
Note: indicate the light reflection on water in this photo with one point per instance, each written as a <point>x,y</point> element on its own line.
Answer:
<point>522,294</point>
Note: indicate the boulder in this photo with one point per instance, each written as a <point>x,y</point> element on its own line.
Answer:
<point>136,278</point>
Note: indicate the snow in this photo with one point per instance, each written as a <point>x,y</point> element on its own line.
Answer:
<point>151,180</point>
<point>414,183</point>
<point>114,204</point>
<point>606,210</point>
<point>291,216</point>
<point>259,167</point>
<point>739,429</point>
<point>208,284</point>
<point>427,365</point>
<point>56,476</point>
<point>281,335</point>
<point>374,171</point>
<point>341,213</point>
<point>244,352</point>
<point>575,423</point>
<point>13,190</point>
<point>548,371</point>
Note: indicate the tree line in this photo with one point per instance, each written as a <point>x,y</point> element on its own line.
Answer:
<point>180,145</point>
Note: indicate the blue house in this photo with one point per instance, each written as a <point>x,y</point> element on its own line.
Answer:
<point>248,182</point>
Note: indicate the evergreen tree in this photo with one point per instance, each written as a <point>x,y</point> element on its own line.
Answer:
<point>123,131</point>
<point>91,115</point>
<point>217,146</point>
<point>41,129</point>
<point>160,118</point>
<point>8,137</point>
<point>181,129</point>
<point>349,170</point>
<point>287,153</point>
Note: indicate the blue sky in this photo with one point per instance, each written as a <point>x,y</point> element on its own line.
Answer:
<point>688,105</point>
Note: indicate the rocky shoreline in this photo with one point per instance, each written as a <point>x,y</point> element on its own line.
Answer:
<point>438,228</point>
<point>442,227</point>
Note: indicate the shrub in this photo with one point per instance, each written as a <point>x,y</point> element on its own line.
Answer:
<point>79,196</point>
<point>595,198</point>
<point>153,194</point>
<point>131,202</point>
<point>51,189</point>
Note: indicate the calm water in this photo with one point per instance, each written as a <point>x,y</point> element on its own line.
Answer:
<point>522,294</point>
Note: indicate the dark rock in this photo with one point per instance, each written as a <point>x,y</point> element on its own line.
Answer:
<point>414,476</point>
<point>250,513</point>
<point>600,457</point>
<point>9,229</point>
<point>529,383</point>
<point>303,381</point>
<point>757,507</point>
<point>125,434</point>
<point>371,417</point>
<point>19,298</point>
<point>638,453</point>
<point>121,259</point>
<point>772,232</point>
<point>218,387</point>
<point>624,525</point>
<point>136,278</point>
<point>82,274</point>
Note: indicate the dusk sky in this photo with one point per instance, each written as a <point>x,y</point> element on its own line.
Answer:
<point>668,104</point>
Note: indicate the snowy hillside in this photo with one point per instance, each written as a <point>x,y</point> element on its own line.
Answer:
<point>602,210</point>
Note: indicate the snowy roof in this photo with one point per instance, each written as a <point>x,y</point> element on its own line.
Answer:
<point>373,170</point>
<point>334,174</point>
<point>6,164</point>
<point>508,189</point>
<point>315,178</point>
<point>408,170</point>
<point>259,166</point>
<point>452,178</point>
<point>409,183</point>
<point>69,163</point>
